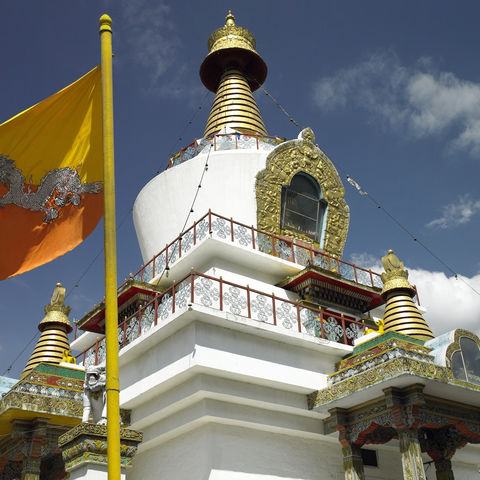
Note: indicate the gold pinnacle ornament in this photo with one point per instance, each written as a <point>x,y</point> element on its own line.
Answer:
<point>55,326</point>
<point>401,313</point>
<point>233,70</point>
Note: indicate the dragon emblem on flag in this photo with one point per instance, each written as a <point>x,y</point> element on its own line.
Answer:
<point>58,188</point>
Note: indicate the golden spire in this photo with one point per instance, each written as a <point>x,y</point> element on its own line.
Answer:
<point>55,326</point>
<point>401,313</point>
<point>233,70</point>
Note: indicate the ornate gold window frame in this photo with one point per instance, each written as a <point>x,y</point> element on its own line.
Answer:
<point>455,345</point>
<point>285,161</point>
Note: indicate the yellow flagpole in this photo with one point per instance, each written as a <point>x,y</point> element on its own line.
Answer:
<point>111,313</point>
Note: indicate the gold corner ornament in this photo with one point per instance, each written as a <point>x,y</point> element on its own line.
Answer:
<point>285,161</point>
<point>401,313</point>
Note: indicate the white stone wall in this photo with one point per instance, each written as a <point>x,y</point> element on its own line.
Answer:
<point>222,452</point>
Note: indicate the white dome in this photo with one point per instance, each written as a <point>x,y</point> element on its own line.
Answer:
<point>228,189</point>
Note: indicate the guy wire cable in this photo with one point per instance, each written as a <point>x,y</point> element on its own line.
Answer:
<point>191,210</point>
<point>355,184</point>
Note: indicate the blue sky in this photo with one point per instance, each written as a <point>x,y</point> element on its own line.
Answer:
<point>391,90</point>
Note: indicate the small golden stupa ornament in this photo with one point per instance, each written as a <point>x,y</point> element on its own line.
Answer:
<point>401,313</point>
<point>233,70</point>
<point>55,326</point>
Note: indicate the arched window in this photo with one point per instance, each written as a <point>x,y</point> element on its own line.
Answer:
<point>465,362</point>
<point>303,208</point>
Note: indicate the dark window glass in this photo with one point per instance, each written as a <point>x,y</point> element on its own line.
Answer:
<point>369,457</point>
<point>466,361</point>
<point>458,369</point>
<point>302,206</point>
<point>471,359</point>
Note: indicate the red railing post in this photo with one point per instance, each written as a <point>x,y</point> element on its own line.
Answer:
<point>274,251</point>
<point>298,319</point>
<point>173,297</point>
<point>416,294</point>
<point>141,273</point>
<point>322,328</point>
<point>355,273</point>
<point>209,221</point>
<point>274,309</point>
<point>155,317</point>
<point>236,143</point>
<point>256,138</point>
<point>345,340</point>
<point>371,277</point>
<point>124,341</point>
<point>96,351</point>
<point>153,267</point>
<point>195,147</point>
<point>248,302</point>
<point>76,329</point>
<point>195,233</point>
<point>231,225</point>
<point>253,237</point>
<point>166,257</point>
<point>140,318</point>
<point>215,143</point>
<point>179,247</point>
<point>192,287</point>
<point>220,287</point>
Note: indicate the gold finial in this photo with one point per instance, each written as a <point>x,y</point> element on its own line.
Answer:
<point>55,326</point>
<point>233,69</point>
<point>401,313</point>
<point>58,295</point>
<point>229,19</point>
<point>395,275</point>
<point>105,23</point>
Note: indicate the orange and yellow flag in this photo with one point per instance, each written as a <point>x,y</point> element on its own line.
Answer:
<point>51,176</point>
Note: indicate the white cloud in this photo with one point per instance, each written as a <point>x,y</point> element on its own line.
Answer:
<point>151,37</point>
<point>367,260</point>
<point>423,101</point>
<point>458,213</point>
<point>450,303</point>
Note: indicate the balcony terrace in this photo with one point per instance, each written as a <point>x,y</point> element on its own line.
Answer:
<point>213,236</point>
